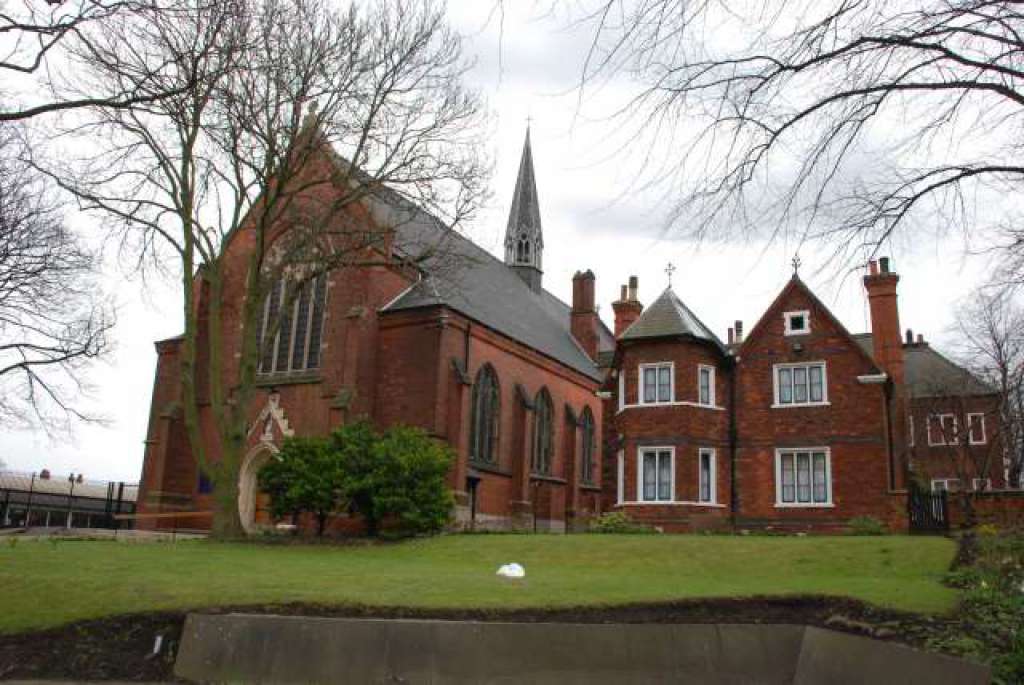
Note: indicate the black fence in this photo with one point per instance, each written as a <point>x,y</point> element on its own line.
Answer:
<point>928,511</point>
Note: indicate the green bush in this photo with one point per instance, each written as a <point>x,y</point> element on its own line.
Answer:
<point>304,476</point>
<point>616,522</point>
<point>867,525</point>
<point>399,476</point>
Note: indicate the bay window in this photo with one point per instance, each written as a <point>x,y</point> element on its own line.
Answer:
<point>656,475</point>
<point>656,383</point>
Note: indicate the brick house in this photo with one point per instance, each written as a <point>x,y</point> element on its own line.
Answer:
<point>476,352</point>
<point>797,425</point>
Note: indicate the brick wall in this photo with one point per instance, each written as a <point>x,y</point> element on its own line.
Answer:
<point>851,426</point>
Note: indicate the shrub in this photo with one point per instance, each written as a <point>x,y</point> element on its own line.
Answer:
<point>400,475</point>
<point>987,530</point>
<point>616,522</point>
<point>304,476</point>
<point>867,525</point>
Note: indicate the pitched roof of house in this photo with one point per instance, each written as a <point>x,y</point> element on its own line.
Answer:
<point>467,278</point>
<point>669,316</point>
<point>928,373</point>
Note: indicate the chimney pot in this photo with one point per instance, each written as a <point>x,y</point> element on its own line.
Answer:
<point>883,264</point>
<point>44,474</point>
<point>920,338</point>
<point>873,267</point>
<point>731,340</point>
<point>634,284</point>
<point>738,325</point>
<point>910,336</point>
<point>624,293</point>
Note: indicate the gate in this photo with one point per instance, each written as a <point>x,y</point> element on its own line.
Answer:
<point>928,511</point>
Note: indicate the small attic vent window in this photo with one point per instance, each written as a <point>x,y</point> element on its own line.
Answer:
<point>797,323</point>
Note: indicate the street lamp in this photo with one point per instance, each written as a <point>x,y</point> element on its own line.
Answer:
<point>71,495</point>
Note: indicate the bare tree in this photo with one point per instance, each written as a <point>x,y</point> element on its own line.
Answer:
<point>53,322</point>
<point>846,121</point>
<point>35,36</point>
<point>989,330</point>
<point>296,141</point>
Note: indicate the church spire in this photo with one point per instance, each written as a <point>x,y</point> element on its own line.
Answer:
<point>524,240</point>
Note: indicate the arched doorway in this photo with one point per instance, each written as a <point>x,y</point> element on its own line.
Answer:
<point>248,485</point>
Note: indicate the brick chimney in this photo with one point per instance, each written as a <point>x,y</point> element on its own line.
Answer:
<point>880,283</point>
<point>584,320</point>
<point>627,308</point>
<point>885,318</point>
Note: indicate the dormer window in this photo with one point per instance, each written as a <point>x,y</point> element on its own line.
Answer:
<point>797,323</point>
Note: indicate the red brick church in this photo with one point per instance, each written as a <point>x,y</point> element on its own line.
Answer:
<point>555,418</point>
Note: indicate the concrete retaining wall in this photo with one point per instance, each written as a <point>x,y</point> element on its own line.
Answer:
<point>291,649</point>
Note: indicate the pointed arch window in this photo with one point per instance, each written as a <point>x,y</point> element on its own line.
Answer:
<point>296,326</point>
<point>486,408</point>
<point>589,446</point>
<point>543,413</point>
<point>523,250</point>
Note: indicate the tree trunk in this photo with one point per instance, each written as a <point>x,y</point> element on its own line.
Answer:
<point>227,522</point>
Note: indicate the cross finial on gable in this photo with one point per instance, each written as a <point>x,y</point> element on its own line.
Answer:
<point>670,269</point>
<point>796,265</point>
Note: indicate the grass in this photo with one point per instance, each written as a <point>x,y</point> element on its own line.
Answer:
<point>46,584</point>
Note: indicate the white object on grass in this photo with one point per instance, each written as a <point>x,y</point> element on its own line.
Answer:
<point>512,571</point>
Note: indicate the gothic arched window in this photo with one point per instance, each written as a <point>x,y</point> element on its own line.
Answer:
<point>523,250</point>
<point>589,446</point>
<point>543,413</point>
<point>486,409</point>
<point>297,327</point>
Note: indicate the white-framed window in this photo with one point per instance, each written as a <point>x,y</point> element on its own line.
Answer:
<point>976,429</point>
<point>656,474</point>
<point>797,323</point>
<point>945,484</point>
<point>981,484</point>
<point>798,385</point>
<point>620,480</point>
<point>706,385</point>
<point>622,389</point>
<point>707,476</point>
<point>942,429</point>
<point>657,383</point>
<point>803,477</point>
<point>910,430</point>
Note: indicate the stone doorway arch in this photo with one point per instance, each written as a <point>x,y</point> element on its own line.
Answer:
<point>248,486</point>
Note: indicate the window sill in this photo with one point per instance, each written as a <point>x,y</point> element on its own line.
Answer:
<point>672,503</point>
<point>809,505</point>
<point>681,403</point>
<point>488,468</point>
<point>548,479</point>
<point>264,380</point>
<point>590,486</point>
<point>803,405</point>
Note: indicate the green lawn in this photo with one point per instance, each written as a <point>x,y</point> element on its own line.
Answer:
<point>44,584</point>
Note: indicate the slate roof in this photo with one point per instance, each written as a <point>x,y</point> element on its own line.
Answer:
<point>928,373</point>
<point>524,212</point>
<point>467,278</point>
<point>668,316</point>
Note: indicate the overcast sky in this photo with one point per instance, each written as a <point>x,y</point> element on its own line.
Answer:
<point>589,219</point>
